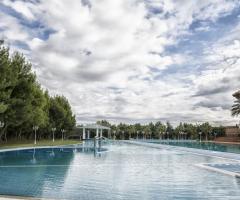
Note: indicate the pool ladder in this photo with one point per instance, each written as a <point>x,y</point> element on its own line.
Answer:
<point>98,142</point>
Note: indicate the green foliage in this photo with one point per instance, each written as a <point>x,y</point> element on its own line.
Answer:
<point>218,131</point>
<point>7,80</point>
<point>23,103</point>
<point>60,113</point>
<point>160,130</point>
<point>104,123</point>
<point>206,129</point>
<point>169,129</point>
<point>236,105</point>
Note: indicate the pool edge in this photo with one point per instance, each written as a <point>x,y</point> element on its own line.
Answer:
<point>37,147</point>
<point>12,197</point>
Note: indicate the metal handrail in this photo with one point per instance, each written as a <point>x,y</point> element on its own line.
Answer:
<point>99,139</point>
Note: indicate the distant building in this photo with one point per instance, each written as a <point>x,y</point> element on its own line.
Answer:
<point>232,130</point>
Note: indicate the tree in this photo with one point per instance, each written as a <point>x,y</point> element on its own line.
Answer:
<point>160,129</point>
<point>122,130</point>
<point>60,113</point>
<point>236,105</point>
<point>190,130</point>
<point>131,130</point>
<point>7,83</point>
<point>218,131</point>
<point>206,129</point>
<point>152,128</point>
<point>27,98</point>
<point>20,91</point>
<point>104,123</point>
<point>138,129</point>
<point>169,129</point>
<point>6,80</point>
<point>179,130</point>
<point>39,104</point>
<point>23,103</point>
<point>146,131</point>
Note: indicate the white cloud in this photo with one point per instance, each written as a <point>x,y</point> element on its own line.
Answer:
<point>101,55</point>
<point>11,29</point>
<point>23,7</point>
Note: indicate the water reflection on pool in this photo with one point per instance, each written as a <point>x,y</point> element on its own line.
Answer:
<point>123,172</point>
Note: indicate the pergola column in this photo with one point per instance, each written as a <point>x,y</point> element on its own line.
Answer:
<point>84,134</point>
<point>86,131</point>
<point>88,134</point>
<point>97,133</point>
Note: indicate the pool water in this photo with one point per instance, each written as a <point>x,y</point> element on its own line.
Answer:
<point>231,148</point>
<point>124,171</point>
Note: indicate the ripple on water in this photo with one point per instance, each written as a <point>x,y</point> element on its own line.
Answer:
<point>124,172</point>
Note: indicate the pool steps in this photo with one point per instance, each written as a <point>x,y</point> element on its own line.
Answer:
<point>232,169</point>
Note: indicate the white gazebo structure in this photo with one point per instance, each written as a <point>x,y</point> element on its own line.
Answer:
<point>98,130</point>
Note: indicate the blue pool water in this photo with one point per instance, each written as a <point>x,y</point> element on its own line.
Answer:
<point>231,148</point>
<point>124,171</point>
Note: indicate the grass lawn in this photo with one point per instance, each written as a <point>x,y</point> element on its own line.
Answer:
<point>30,143</point>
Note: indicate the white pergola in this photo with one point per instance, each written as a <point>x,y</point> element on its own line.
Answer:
<point>98,128</point>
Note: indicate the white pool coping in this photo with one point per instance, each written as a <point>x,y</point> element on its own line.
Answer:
<point>206,166</point>
<point>5,197</point>
<point>39,147</point>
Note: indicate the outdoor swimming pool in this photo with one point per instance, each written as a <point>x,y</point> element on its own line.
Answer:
<point>231,148</point>
<point>124,171</point>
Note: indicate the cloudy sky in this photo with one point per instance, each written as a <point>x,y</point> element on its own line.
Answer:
<point>132,60</point>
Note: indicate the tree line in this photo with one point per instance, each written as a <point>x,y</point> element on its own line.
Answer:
<point>161,130</point>
<point>24,104</point>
